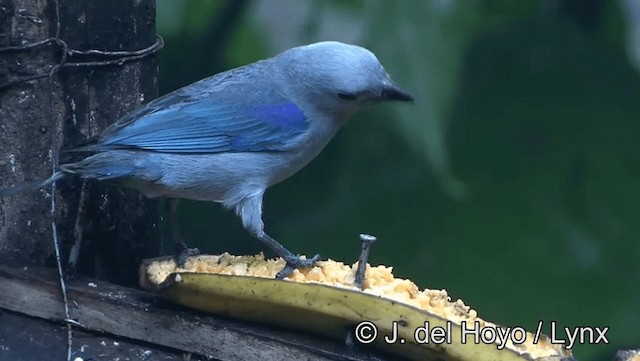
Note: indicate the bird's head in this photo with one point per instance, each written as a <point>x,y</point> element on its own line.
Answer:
<point>337,77</point>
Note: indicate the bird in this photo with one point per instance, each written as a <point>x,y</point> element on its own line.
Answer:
<point>229,137</point>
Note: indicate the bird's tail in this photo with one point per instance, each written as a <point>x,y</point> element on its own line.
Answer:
<point>31,185</point>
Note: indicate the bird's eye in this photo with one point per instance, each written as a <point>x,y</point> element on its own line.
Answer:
<point>347,96</point>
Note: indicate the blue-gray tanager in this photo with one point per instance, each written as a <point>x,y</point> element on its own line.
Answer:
<point>228,137</point>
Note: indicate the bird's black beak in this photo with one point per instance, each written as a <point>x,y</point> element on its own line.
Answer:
<point>393,93</point>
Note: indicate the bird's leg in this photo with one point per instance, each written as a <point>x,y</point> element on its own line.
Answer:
<point>291,259</point>
<point>182,251</point>
<point>250,211</point>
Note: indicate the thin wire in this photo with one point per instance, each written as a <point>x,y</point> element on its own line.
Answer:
<point>158,43</point>
<point>133,55</point>
<point>121,57</point>
<point>27,46</point>
<point>54,166</point>
<point>63,286</point>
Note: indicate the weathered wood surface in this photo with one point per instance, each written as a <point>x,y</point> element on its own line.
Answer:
<point>142,316</point>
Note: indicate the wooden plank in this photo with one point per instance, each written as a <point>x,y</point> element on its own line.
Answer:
<point>25,338</point>
<point>138,315</point>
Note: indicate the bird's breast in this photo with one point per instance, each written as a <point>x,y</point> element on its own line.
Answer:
<point>303,151</point>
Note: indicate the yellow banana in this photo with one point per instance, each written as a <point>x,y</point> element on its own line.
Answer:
<point>390,313</point>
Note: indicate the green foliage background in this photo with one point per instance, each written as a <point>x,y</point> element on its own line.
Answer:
<point>514,179</point>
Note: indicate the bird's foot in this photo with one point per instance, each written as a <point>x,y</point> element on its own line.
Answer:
<point>295,262</point>
<point>183,253</point>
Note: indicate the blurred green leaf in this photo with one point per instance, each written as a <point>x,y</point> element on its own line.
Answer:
<point>423,45</point>
<point>190,17</point>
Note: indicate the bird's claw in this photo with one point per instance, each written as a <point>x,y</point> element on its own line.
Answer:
<point>295,262</point>
<point>183,253</point>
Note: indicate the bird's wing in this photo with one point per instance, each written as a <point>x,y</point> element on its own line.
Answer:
<point>182,123</point>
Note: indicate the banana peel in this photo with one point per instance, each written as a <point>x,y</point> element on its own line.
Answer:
<point>323,301</point>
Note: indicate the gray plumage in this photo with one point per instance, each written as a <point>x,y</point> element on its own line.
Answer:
<point>228,137</point>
